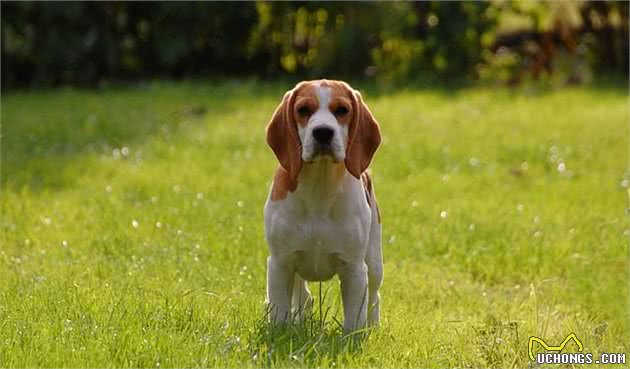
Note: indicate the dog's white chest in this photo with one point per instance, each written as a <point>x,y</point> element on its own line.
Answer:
<point>318,237</point>
<point>317,248</point>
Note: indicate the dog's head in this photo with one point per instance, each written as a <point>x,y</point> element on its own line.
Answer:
<point>323,120</point>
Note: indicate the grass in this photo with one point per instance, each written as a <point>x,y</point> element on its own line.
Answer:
<point>132,228</point>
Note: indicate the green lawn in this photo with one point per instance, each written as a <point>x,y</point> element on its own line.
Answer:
<point>132,231</point>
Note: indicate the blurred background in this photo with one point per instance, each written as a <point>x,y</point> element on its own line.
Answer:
<point>95,44</point>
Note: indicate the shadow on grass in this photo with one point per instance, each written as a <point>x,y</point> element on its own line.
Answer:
<point>45,132</point>
<point>307,343</point>
<point>315,340</point>
<point>450,87</point>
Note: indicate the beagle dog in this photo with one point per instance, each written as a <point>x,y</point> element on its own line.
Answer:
<point>321,216</point>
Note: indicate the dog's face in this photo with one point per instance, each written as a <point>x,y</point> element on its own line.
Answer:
<point>323,112</point>
<point>323,120</point>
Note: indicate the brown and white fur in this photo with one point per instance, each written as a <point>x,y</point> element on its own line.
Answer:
<point>321,216</point>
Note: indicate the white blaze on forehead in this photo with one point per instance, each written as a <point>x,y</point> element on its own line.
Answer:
<point>323,96</point>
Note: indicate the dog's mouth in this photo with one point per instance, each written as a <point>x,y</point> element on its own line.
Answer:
<point>323,150</point>
<point>326,153</point>
<point>323,153</point>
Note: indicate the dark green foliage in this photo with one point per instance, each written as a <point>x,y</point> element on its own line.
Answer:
<point>86,42</point>
<point>90,43</point>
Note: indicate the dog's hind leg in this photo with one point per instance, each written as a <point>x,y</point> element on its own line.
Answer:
<point>374,261</point>
<point>302,301</point>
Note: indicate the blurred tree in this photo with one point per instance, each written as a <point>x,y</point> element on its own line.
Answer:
<point>560,41</point>
<point>53,43</point>
<point>88,43</point>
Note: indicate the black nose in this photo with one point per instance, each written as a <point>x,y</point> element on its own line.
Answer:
<point>323,135</point>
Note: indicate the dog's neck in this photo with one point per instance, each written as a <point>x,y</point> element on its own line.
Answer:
<point>319,181</point>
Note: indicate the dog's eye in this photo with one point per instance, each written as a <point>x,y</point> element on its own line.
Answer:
<point>341,111</point>
<point>304,111</point>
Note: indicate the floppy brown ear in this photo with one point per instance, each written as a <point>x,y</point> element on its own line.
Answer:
<point>282,137</point>
<point>364,137</point>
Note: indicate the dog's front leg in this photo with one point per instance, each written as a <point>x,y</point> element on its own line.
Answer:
<point>279,288</point>
<point>354,284</point>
